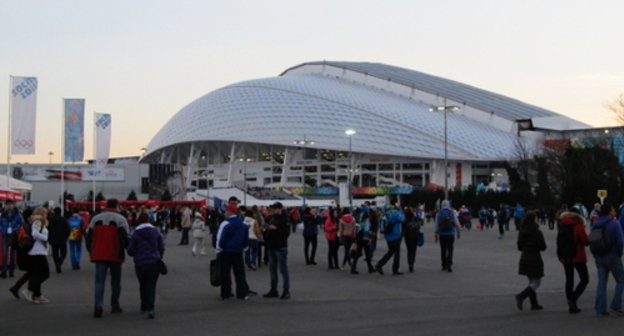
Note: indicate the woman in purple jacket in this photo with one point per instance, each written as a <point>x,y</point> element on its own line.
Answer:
<point>147,248</point>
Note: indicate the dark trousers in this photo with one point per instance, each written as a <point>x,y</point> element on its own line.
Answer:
<point>581,268</point>
<point>411,245</point>
<point>446,249</point>
<point>332,253</point>
<point>501,227</point>
<point>233,261</point>
<point>101,270</point>
<point>307,241</point>
<point>263,254</point>
<point>347,242</point>
<point>362,247</point>
<point>147,276</point>
<point>59,253</point>
<point>39,272</point>
<point>373,245</point>
<point>394,249</point>
<point>185,236</point>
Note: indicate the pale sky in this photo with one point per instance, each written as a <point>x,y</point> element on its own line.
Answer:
<point>142,61</point>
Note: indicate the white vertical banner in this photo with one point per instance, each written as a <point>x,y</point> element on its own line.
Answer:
<point>23,114</point>
<point>102,139</point>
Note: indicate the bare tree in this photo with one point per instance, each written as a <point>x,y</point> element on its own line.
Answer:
<point>617,107</point>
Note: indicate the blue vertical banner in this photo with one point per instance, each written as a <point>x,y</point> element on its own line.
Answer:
<point>74,130</point>
<point>618,148</point>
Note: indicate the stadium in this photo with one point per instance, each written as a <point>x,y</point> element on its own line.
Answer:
<point>320,125</point>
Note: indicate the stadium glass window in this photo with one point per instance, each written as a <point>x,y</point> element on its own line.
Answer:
<point>412,166</point>
<point>328,168</point>
<point>311,169</point>
<point>415,180</point>
<point>370,167</point>
<point>277,170</point>
<point>386,166</point>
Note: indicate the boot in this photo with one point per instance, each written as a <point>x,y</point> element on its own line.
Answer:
<point>271,294</point>
<point>533,299</point>
<point>573,308</point>
<point>522,296</point>
<point>3,275</point>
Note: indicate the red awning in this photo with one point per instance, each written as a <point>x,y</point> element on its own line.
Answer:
<point>10,194</point>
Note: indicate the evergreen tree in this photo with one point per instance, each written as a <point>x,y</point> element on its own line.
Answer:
<point>131,196</point>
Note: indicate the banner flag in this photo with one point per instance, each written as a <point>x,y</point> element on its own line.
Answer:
<point>23,114</point>
<point>74,130</point>
<point>102,139</point>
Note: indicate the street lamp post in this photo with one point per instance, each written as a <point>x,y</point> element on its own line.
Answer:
<point>245,160</point>
<point>303,144</point>
<point>445,108</point>
<point>350,133</point>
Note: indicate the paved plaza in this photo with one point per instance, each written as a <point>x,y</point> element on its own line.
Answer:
<point>476,299</point>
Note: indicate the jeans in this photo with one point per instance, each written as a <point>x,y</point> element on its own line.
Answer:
<point>147,276</point>
<point>38,272</point>
<point>446,250</point>
<point>251,255</point>
<point>279,257</point>
<point>347,241</point>
<point>307,240</point>
<point>101,269</point>
<point>411,245</point>
<point>571,292</point>
<point>394,249</point>
<point>362,246</point>
<point>75,251</point>
<point>534,283</point>
<point>332,253</point>
<point>8,256</point>
<point>373,245</point>
<point>604,265</point>
<point>185,236</point>
<point>59,252</point>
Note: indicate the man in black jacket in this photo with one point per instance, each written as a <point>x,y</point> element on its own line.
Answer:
<point>276,240</point>
<point>58,233</point>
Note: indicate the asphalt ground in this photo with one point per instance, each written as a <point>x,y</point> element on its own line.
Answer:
<point>476,299</point>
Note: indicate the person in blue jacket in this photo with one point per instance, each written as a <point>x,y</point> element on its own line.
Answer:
<point>391,229</point>
<point>518,215</point>
<point>447,226</point>
<point>10,222</point>
<point>232,240</point>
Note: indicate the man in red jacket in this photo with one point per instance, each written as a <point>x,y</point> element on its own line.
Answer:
<point>574,222</point>
<point>107,237</point>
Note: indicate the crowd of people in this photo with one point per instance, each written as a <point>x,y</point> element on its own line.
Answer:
<point>250,238</point>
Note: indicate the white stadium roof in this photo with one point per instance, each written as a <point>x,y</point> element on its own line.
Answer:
<point>310,100</point>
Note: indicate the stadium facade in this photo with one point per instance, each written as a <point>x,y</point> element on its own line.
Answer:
<point>289,131</point>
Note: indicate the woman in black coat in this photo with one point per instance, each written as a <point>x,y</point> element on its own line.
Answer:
<point>531,243</point>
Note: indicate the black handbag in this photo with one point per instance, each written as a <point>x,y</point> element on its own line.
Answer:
<point>162,267</point>
<point>215,272</point>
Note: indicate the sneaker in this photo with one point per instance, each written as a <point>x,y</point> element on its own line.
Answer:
<point>449,269</point>
<point>285,295</point>
<point>397,273</point>
<point>150,314</point>
<point>411,269</point>
<point>245,298</point>
<point>312,262</point>
<point>271,294</point>
<point>379,269</point>
<point>97,312</point>
<point>28,295</point>
<point>605,314</point>
<point>617,313</point>
<point>251,293</point>
<point>41,299</point>
<point>14,292</point>
<point>116,310</point>
<point>354,272</point>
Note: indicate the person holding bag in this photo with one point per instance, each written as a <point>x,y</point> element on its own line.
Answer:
<point>147,247</point>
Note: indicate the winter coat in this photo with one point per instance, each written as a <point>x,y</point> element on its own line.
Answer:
<point>531,243</point>
<point>331,229</point>
<point>614,231</point>
<point>310,225</point>
<point>277,239</point>
<point>58,230</point>
<point>107,237</point>
<point>233,235</point>
<point>146,245</point>
<point>185,218</point>
<point>580,235</point>
<point>347,226</point>
<point>198,228</point>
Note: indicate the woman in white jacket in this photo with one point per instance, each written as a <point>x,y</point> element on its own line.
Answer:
<point>199,232</point>
<point>38,268</point>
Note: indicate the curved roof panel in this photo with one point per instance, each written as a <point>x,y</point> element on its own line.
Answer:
<point>282,109</point>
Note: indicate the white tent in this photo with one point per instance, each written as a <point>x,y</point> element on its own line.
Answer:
<point>16,184</point>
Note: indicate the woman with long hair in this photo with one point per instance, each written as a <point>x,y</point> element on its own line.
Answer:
<point>347,229</point>
<point>38,268</point>
<point>331,234</point>
<point>530,243</point>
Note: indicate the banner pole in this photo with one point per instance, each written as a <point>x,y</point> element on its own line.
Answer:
<point>63,121</point>
<point>8,173</point>
<point>94,157</point>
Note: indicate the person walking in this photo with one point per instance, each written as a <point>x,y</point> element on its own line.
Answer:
<point>531,243</point>
<point>185,224</point>
<point>76,226</point>
<point>276,240</point>
<point>347,230</point>
<point>38,268</point>
<point>411,231</point>
<point>310,234</point>
<point>606,242</point>
<point>10,221</point>
<point>392,230</point>
<point>148,248</point>
<point>107,238</point>
<point>232,240</point>
<point>447,227</point>
<point>362,241</point>
<point>199,232</point>
<point>59,230</point>
<point>331,234</point>
<point>571,242</point>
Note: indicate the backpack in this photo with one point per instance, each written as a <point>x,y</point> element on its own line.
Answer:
<point>22,240</point>
<point>566,246</point>
<point>412,228</point>
<point>599,242</point>
<point>446,221</point>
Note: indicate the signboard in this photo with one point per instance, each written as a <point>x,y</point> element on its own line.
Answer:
<point>602,194</point>
<point>34,174</point>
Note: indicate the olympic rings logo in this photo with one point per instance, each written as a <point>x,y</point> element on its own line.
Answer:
<point>23,144</point>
